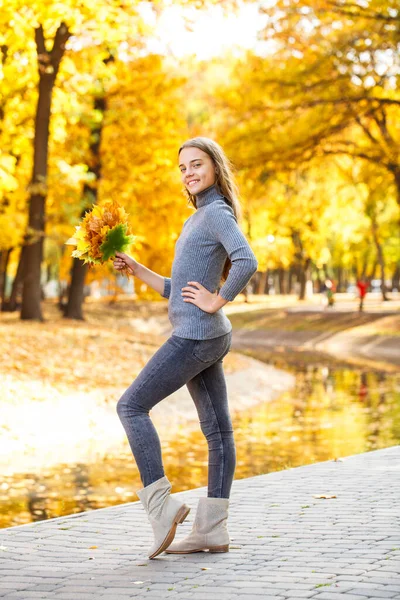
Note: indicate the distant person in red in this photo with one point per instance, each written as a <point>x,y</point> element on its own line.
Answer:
<point>362,286</point>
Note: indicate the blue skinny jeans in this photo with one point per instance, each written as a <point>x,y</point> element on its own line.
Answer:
<point>198,364</point>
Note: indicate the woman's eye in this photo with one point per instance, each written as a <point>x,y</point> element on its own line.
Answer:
<point>197,165</point>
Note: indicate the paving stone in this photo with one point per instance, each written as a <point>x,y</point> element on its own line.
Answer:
<point>31,595</point>
<point>46,587</point>
<point>295,593</point>
<point>333,596</point>
<point>385,581</point>
<point>74,596</point>
<point>346,543</point>
<point>373,592</point>
<point>393,588</point>
<point>118,592</point>
<point>16,585</point>
<point>225,596</point>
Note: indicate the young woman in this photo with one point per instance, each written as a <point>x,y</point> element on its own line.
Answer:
<point>211,245</point>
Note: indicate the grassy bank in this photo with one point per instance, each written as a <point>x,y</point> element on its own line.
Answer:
<point>321,322</point>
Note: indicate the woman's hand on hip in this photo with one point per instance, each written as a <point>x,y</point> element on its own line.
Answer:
<point>197,294</point>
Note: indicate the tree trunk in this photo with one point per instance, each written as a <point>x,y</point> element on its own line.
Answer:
<point>11,304</point>
<point>76,295</point>
<point>302,281</point>
<point>290,280</point>
<point>396,174</point>
<point>73,309</point>
<point>381,259</point>
<point>4,261</point>
<point>48,65</point>
<point>319,281</point>
<point>31,294</point>
<point>302,263</point>
<point>364,267</point>
<point>262,282</point>
<point>266,287</point>
<point>340,284</point>
<point>303,277</point>
<point>281,279</point>
<point>396,278</point>
<point>373,270</point>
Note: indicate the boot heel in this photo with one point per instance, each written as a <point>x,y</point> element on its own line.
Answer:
<point>182,513</point>
<point>224,548</point>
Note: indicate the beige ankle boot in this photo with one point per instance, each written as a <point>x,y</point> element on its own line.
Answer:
<point>164,513</point>
<point>209,531</point>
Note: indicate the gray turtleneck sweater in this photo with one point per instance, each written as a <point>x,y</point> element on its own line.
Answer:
<point>208,236</point>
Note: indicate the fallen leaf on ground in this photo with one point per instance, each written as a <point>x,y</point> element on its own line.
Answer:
<point>324,496</point>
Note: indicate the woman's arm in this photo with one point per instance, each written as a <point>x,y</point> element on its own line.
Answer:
<point>222,223</point>
<point>157,282</point>
<point>160,284</point>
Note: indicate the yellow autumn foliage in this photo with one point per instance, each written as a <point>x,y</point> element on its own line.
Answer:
<point>95,228</point>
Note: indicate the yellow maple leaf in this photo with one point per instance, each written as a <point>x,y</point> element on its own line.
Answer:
<point>82,245</point>
<point>97,211</point>
<point>94,228</point>
<point>80,233</point>
<point>104,230</point>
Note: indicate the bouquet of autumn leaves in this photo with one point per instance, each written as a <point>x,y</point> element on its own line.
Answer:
<point>102,232</point>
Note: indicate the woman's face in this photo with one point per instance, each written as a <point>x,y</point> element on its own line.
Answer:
<point>197,170</point>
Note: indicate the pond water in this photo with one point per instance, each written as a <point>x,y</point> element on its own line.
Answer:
<point>331,413</point>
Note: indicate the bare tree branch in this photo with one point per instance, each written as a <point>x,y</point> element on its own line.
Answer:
<point>60,39</point>
<point>346,101</point>
<point>380,118</point>
<point>49,62</point>
<point>351,9</point>
<point>39,39</point>
<point>365,129</point>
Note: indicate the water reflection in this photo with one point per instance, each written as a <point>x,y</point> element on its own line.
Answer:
<point>331,413</point>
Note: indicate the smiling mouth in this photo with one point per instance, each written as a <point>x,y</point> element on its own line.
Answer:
<point>194,181</point>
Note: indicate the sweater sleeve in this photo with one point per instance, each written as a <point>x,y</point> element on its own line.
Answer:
<point>223,225</point>
<point>167,280</point>
<point>167,287</point>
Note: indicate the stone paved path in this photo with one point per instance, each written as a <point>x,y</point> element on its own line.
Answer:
<point>285,543</point>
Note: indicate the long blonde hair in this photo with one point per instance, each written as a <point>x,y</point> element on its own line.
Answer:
<point>224,180</point>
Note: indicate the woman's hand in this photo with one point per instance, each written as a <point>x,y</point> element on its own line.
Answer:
<point>124,262</point>
<point>200,296</point>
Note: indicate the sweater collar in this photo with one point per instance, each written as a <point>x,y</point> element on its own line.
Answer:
<point>207,196</point>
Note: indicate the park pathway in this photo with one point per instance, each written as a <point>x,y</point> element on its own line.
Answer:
<point>285,543</point>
